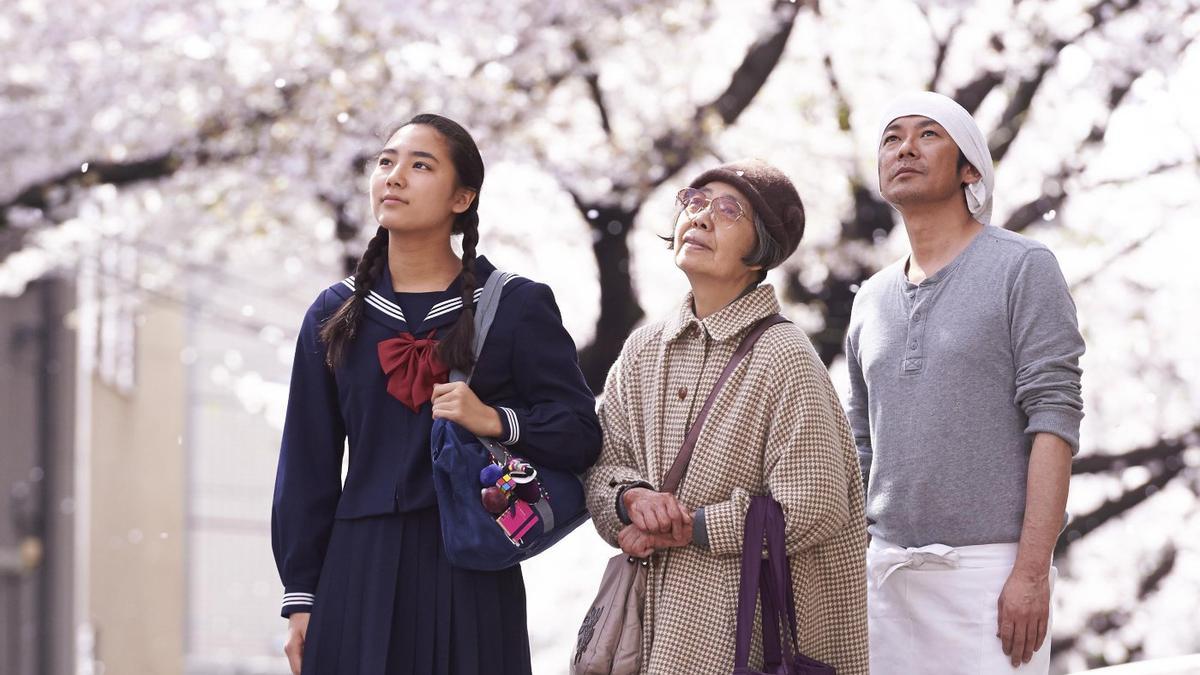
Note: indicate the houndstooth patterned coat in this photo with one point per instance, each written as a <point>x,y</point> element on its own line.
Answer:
<point>776,428</point>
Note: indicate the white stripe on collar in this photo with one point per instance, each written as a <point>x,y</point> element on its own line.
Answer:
<point>393,310</point>
<point>454,303</point>
<point>451,304</point>
<point>378,301</point>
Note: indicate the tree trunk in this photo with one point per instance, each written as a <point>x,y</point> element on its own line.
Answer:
<point>619,308</point>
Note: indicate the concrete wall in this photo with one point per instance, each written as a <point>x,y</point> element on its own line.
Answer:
<point>137,466</point>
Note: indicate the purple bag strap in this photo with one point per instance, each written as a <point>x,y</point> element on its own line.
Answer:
<point>679,467</point>
<point>772,652</point>
<point>748,588</point>
<point>771,578</point>
<point>779,581</point>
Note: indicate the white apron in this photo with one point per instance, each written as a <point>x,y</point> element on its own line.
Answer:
<point>933,610</point>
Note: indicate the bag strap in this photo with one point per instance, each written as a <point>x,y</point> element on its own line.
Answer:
<point>485,314</point>
<point>752,567</point>
<point>778,585</point>
<point>773,658</point>
<point>771,580</point>
<point>679,468</point>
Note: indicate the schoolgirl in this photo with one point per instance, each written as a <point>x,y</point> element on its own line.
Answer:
<point>367,586</point>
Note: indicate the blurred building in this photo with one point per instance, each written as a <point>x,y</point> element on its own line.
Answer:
<point>134,519</point>
<point>37,508</point>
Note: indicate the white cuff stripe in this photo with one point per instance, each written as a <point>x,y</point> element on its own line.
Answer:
<point>514,428</point>
<point>298,599</point>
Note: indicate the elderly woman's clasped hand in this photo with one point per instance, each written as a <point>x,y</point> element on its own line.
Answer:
<point>658,521</point>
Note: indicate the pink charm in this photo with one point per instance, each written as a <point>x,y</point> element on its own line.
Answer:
<point>517,521</point>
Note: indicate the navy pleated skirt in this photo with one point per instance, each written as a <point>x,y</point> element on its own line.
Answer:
<point>388,602</point>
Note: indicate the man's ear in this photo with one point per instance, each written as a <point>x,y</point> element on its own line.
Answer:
<point>970,174</point>
<point>463,197</point>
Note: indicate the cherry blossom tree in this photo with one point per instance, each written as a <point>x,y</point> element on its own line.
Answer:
<point>229,140</point>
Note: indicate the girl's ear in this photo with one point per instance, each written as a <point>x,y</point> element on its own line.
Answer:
<point>462,199</point>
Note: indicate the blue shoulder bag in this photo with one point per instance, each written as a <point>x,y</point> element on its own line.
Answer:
<point>497,509</point>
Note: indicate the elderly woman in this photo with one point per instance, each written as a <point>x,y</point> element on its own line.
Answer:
<point>776,428</point>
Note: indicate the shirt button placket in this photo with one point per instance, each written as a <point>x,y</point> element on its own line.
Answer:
<point>913,360</point>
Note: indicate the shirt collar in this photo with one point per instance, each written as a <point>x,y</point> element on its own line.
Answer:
<point>383,308</point>
<point>729,321</point>
<point>448,306</point>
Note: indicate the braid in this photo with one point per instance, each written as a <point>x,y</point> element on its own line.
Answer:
<point>457,349</point>
<point>342,327</point>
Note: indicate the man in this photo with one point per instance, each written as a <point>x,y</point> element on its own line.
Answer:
<point>965,406</point>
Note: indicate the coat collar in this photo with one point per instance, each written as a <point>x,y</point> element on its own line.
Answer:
<point>383,308</point>
<point>730,321</point>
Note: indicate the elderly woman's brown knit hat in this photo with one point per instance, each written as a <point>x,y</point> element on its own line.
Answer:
<point>772,195</point>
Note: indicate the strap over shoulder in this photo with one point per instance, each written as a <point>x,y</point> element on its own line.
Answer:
<point>679,468</point>
<point>485,314</point>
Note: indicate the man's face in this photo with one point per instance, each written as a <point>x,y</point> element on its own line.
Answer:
<point>918,163</point>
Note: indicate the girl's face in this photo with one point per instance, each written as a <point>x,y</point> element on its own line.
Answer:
<point>711,239</point>
<point>414,186</point>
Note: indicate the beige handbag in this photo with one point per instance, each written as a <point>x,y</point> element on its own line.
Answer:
<point>610,639</point>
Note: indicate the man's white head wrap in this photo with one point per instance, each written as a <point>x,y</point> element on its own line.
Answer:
<point>963,131</point>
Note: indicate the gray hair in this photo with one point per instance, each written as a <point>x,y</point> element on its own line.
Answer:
<point>767,252</point>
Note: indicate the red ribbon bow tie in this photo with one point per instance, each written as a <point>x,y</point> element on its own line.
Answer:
<point>412,368</point>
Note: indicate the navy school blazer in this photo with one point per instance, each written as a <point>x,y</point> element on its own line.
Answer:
<point>528,370</point>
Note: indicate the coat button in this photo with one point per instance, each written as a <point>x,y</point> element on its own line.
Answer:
<point>682,393</point>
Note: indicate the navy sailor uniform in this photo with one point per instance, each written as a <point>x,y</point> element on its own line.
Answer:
<point>366,557</point>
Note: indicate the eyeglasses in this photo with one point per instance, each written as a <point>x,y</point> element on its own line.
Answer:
<point>726,208</point>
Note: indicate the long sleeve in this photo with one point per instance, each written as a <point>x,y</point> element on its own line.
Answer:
<point>807,462</point>
<point>617,467</point>
<point>308,479</point>
<point>1046,347</point>
<point>558,428</point>
<point>857,408</point>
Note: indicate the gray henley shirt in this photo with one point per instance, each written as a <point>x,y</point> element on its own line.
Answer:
<point>949,381</point>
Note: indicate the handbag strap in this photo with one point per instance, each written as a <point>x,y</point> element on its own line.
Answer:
<point>772,653</point>
<point>485,314</point>
<point>756,519</point>
<point>679,468</point>
<point>771,577</point>
<point>779,581</point>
